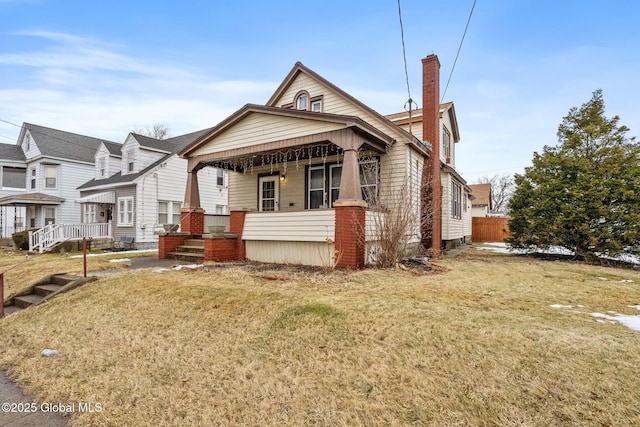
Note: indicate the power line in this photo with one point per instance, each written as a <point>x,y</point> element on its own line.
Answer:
<point>458,53</point>
<point>404,52</point>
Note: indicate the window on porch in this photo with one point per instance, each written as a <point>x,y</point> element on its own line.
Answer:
<point>90,213</point>
<point>323,183</point>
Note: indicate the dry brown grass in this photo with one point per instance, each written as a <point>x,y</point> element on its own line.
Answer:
<point>476,345</point>
<point>21,270</point>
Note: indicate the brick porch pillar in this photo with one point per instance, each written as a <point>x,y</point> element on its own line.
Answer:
<point>192,221</point>
<point>236,226</point>
<point>350,234</point>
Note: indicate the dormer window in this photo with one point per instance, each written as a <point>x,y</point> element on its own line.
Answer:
<point>28,139</point>
<point>302,101</point>
<point>129,162</point>
<point>102,165</point>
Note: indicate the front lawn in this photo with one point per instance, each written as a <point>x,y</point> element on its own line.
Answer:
<point>493,340</point>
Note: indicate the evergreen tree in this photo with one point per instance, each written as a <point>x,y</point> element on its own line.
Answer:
<point>584,193</point>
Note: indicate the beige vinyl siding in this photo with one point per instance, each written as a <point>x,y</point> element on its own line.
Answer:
<point>308,226</point>
<point>452,228</point>
<point>333,103</point>
<point>466,218</point>
<point>320,254</point>
<point>259,128</point>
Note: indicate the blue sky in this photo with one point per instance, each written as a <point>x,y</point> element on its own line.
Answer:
<point>105,68</point>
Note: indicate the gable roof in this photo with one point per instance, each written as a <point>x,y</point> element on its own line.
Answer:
<point>176,144</point>
<point>11,152</point>
<point>248,109</point>
<point>300,68</point>
<point>482,193</point>
<point>114,148</point>
<point>416,117</point>
<point>61,144</point>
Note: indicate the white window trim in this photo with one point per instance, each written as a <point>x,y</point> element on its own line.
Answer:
<point>125,212</point>
<point>90,215</point>
<point>45,177</point>
<point>172,212</point>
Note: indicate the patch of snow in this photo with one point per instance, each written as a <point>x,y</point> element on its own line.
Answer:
<point>603,278</point>
<point>631,322</point>
<point>120,260</point>
<point>560,306</point>
<point>140,251</point>
<point>48,352</point>
<point>503,248</point>
<point>160,270</point>
<point>637,307</point>
<point>188,266</point>
<point>626,281</point>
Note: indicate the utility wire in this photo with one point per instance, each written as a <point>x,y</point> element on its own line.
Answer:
<point>410,102</point>
<point>404,52</point>
<point>458,53</point>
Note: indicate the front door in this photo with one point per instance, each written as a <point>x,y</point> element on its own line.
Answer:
<point>269,193</point>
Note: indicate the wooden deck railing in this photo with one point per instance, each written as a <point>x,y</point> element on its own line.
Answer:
<point>50,235</point>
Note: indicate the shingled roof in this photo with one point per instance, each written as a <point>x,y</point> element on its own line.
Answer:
<point>11,152</point>
<point>172,145</point>
<point>64,145</point>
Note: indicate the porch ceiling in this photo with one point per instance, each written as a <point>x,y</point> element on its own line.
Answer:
<point>292,149</point>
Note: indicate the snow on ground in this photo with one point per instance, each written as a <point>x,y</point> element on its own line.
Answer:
<point>141,251</point>
<point>503,248</point>
<point>631,322</point>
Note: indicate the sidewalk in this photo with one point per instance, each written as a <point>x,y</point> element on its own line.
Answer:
<point>11,394</point>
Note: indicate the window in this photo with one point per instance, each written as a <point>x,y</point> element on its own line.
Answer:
<point>302,101</point>
<point>369,171</point>
<point>220,178</point>
<point>33,178</point>
<point>14,177</point>
<point>446,143</point>
<point>323,181</point>
<point>102,168</point>
<point>90,213</point>
<point>50,176</point>
<point>316,104</point>
<point>49,216</point>
<point>169,212</point>
<point>456,199</point>
<point>28,139</point>
<point>221,209</point>
<point>129,161</point>
<point>125,211</point>
<point>316,182</point>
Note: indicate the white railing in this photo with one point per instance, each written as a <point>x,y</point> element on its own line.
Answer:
<point>52,234</point>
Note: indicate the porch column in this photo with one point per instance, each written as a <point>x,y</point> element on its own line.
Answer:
<point>350,212</point>
<point>191,214</point>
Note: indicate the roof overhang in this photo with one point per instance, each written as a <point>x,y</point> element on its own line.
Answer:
<point>108,197</point>
<point>30,199</point>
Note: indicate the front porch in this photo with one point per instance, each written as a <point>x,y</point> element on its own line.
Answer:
<point>325,237</point>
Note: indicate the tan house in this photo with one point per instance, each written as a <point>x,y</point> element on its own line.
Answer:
<point>302,171</point>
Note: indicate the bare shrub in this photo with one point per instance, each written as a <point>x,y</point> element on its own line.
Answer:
<point>395,219</point>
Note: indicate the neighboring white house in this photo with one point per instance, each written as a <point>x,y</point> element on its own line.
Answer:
<point>139,187</point>
<point>482,205</point>
<point>13,182</point>
<point>53,164</point>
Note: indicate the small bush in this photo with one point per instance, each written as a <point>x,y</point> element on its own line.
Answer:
<point>21,239</point>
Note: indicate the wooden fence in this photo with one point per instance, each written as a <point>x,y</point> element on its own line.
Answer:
<point>489,229</point>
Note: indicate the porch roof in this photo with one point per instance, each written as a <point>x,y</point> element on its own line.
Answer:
<point>344,132</point>
<point>30,199</point>
<point>108,197</point>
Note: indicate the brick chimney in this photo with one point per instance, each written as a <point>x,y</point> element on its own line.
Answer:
<point>432,197</point>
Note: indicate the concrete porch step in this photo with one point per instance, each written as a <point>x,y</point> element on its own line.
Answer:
<point>190,249</point>
<point>27,300</point>
<point>194,242</point>
<point>63,279</point>
<point>44,290</point>
<point>187,256</point>
<point>11,309</point>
